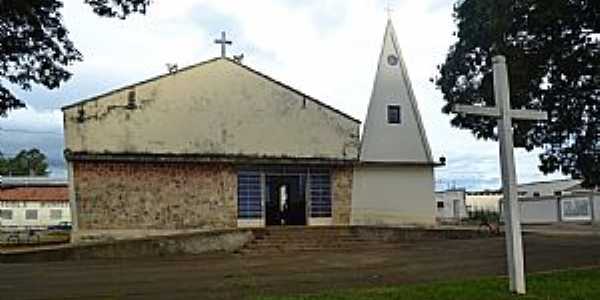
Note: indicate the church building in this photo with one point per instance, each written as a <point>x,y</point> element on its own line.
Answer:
<point>220,145</point>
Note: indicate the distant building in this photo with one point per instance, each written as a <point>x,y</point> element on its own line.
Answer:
<point>558,201</point>
<point>33,201</point>
<point>451,205</point>
<point>488,200</point>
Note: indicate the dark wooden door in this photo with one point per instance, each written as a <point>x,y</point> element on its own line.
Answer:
<point>286,203</point>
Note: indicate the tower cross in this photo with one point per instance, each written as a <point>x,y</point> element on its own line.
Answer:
<point>389,9</point>
<point>504,114</point>
<point>224,43</point>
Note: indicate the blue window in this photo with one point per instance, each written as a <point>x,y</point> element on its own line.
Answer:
<point>249,195</point>
<point>320,194</point>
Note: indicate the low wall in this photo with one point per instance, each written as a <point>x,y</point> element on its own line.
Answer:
<point>178,244</point>
<point>380,233</point>
<point>399,234</point>
<point>223,240</point>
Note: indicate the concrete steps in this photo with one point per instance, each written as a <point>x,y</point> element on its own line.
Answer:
<point>288,239</point>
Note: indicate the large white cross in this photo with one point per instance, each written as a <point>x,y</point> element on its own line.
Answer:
<point>514,243</point>
<point>224,43</point>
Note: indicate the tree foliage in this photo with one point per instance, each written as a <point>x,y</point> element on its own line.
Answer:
<point>35,47</point>
<point>118,8</point>
<point>26,163</point>
<point>553,54</point>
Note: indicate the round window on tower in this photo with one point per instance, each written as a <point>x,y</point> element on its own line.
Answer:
<point>392,60</point>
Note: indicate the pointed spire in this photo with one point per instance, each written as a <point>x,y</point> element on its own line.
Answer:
<point>393,129</point>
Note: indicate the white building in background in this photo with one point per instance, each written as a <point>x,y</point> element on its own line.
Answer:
<point>35,202</point>
<point>451,205</point>
<point>488,201</point>
<point>559,201</point>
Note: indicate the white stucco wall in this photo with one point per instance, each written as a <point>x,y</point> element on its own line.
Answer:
<point>489,202</point>
<point>596,207</point>
<point>393,195</point>
<point>449,199</point>
<point>216,108</point>
<point>551,209</point>
<point>43,209</point>
<point>539,211</point>
<point>547,188</point>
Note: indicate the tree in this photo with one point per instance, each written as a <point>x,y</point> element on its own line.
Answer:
<point>553,53</point>
<point>26,163</point>
<point>35,47</point>
<point>3,165</point>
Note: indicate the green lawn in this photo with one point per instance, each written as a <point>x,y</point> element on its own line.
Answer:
<point>567,285</point>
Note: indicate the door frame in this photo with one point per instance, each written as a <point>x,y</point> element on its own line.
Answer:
<point>305,199</point>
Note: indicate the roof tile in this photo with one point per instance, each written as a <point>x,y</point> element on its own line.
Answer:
<point>52,193</point>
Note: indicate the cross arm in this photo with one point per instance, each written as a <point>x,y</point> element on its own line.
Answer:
<point>519,114</point>
<point>219,41</point>
<point>476,110</point>
<point>526,114</point>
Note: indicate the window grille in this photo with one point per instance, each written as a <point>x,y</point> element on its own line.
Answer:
<point>320,195</point>
<point>249,195</point>
<point>6,214</point>
<point>31,214</point>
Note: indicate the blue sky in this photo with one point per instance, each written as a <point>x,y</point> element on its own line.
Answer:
<point>326,48</point>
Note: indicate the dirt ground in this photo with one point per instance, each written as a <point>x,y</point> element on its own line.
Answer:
<point>235,276</point>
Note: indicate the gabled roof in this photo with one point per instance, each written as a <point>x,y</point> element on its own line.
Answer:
<point>566,181</point>
<point>553,185</point>
<point>191,67</point>
<point>35,193</point>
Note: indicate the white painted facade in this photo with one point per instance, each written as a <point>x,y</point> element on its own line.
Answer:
<point>574,208</point>
<point>33,213</point>
<point>33,202</point>
<point>393,182</point>
<point>559,201</point>
<point>216,108</point>
<point>393,195</point>
<point>451,205</point>
<point>483,201</point>
<point>549,188</point>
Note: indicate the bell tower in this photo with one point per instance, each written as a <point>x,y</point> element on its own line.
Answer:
<point>393,130</point>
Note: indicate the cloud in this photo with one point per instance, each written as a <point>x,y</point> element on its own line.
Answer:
<point>326,48</point>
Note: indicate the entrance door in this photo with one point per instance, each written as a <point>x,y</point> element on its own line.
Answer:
<point>285,203</point>
<point>456,208</point>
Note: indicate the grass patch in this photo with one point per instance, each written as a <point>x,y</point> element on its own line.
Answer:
<point>566,285</point>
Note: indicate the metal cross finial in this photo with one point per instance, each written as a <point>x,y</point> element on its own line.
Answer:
<point>389,9</point>
<point>224,42</point>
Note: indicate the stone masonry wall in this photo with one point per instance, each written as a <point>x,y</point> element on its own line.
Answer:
<point>342,195</point>
<point>111,195</point>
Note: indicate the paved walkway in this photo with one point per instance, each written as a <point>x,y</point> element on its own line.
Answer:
<point>230,276</point>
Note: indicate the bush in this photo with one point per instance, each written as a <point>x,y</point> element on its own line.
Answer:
<point>484,216</point>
